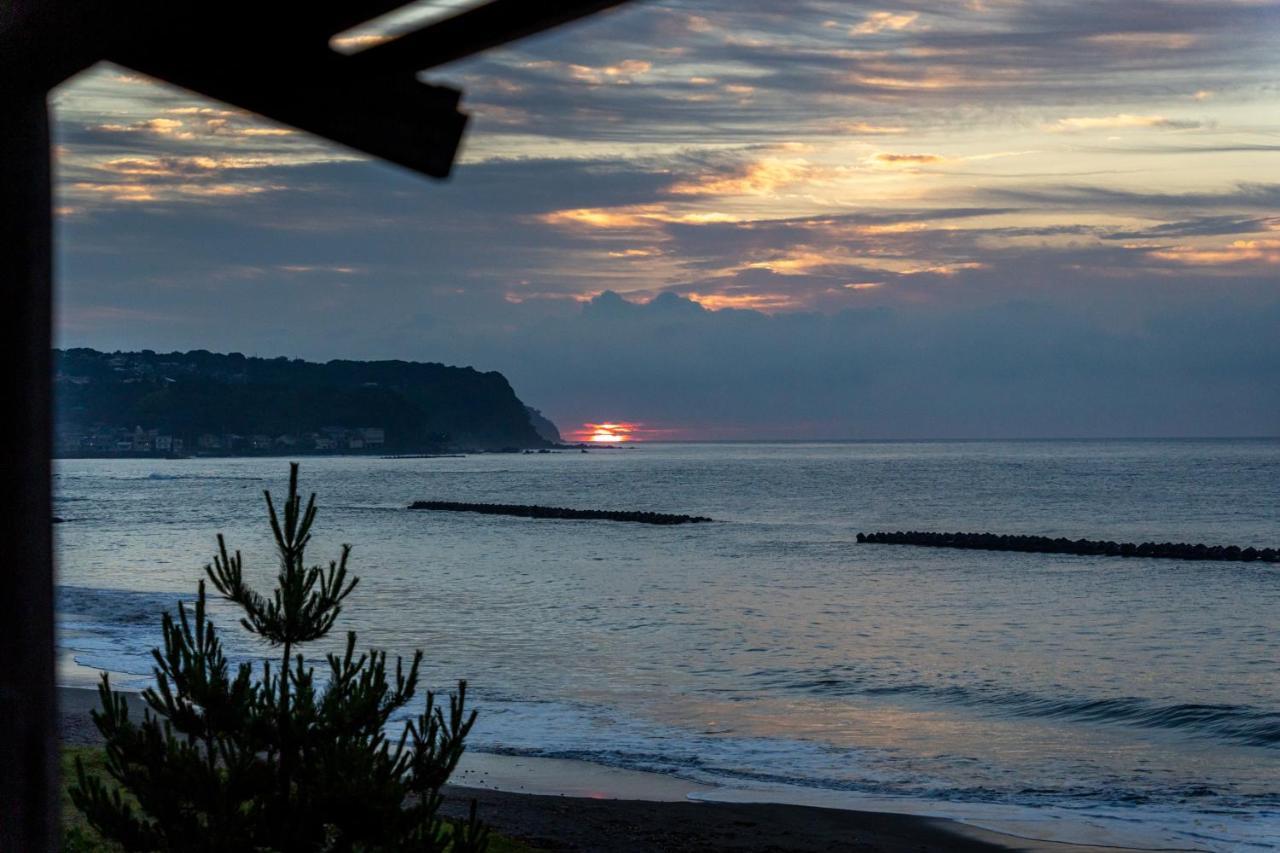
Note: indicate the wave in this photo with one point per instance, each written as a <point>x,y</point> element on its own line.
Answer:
<point>115,607</point>
<point>129,622</point>
<point>1243,724</point>
<point>115,630</point>
<point>155,475</point>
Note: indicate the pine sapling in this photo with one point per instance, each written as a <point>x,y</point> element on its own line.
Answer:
<point>224,761</point>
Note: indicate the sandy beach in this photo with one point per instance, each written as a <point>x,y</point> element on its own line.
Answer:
<point>556,804</point>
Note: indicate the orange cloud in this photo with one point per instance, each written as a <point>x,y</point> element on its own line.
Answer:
<point>904,162</point>
<point>597,217</point>
<point>197,120</point>
<point>921,83</point>
<point>623,73</point>
<point>760,178</point>
<point>170,127</point>
<point>141,192</point>
<point>219,190</point>
<point>907,159</point>
<point>1264,251</point>
<point>620,73</point>
<point>144,166</point>
<point>752,301</point>
<point>118,192</point>
<point>878,22</point>
<point>170,167</point>
<point>261,131</point>
<point>801,259</point>
<point>629,216</point>
<point>200,111</point>
<point>946,269</point>
<point>866,128</point>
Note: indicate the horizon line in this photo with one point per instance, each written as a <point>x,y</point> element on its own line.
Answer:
<point>1274,437</point>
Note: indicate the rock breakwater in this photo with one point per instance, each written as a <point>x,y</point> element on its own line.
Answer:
<point>1062,545</point>
<point>533,511</point>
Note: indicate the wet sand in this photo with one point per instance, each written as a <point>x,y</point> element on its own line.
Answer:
<point>563,805</point>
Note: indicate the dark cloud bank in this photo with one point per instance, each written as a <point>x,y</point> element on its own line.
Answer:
<point>1013,369</point>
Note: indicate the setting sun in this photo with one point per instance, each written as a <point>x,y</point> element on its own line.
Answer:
<point>606,433</point>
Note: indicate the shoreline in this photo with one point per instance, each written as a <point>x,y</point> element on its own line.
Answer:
<point>575,805</point>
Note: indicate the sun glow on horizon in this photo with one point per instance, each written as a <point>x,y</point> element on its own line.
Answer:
<point>606,433</point>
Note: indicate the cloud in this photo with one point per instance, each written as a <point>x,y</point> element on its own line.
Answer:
<point>1118,122</point>
<point>1202,226</point>
<point>885,158</point>
<point>802,70</point>
<point>878,22</point>
<point>877,371</point>
<point>196,122</point>
<point>1261,251</point>
<point>119,192</point>
<point>1242,196</point>
<point>761,177</point>
<point>814,232</point>
<point>170,127</point>
<point>1144,41</point>
<point>599,217</point>
<point>863,128</point>
<point>173,166</point>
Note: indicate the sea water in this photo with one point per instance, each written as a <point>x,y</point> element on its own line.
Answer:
<point>767,653</point>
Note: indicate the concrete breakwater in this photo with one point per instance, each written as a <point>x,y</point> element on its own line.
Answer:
<point>527,511</point>
<point>1062,545</point>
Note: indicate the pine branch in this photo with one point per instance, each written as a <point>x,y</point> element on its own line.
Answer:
<point>223,760</point>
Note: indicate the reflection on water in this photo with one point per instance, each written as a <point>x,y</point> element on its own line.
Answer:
<point>770,648</point>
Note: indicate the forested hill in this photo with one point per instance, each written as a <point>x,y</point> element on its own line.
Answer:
<point>208,401</point>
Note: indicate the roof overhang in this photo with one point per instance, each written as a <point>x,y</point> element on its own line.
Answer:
<point>275,59</point>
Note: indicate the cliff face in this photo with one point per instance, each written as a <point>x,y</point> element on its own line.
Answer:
<point>416,406</point>
<point>544,426</point>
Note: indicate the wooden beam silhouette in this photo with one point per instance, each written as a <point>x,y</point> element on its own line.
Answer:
<point>270,57</point>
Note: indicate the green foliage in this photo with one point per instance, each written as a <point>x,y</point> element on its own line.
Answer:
<point>225,761</point>
<point>79,837</point>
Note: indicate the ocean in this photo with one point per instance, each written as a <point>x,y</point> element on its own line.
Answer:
<point>767,654</point>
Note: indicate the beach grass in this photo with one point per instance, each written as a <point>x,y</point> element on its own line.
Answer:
<point>77,835</point>
<point>80,837</point>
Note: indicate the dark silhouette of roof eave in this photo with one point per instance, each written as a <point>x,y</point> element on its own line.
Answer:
<point>273,57</point>
<point>394,117</point>
<point>486,26</point>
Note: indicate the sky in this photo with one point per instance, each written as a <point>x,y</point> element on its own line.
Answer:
<point>736,219</point>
